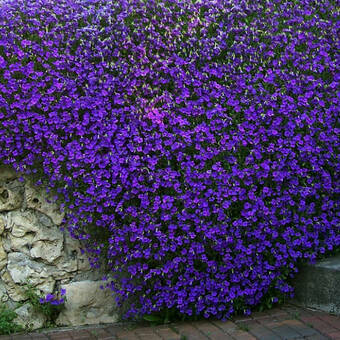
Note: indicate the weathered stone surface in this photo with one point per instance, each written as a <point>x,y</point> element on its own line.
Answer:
<point>47,244</point>
<point>22,222</point>
<point>2,225</point>
<point>83,263</point>
<point>34,250</point>
<point>36,198</point>
<point>22,269</point>
<point>14,291</point>
<point>46,286</point>
<point>21,244</point>
<point>72,259</point>
<point>3,256</point>
<point>47,250</point>
<point>3,292</point>
<point>92,275</point>
<point>33,233</point>
<point>73,253</point>
<point>6,244</point>
<point>7,173</point>
<point>11,195</point>
<point>28,317</point>
<point>86,303</point>
<point>66,264</point>
<point>318,285</point>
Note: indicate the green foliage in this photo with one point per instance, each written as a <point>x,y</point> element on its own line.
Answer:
<point>7,326</point>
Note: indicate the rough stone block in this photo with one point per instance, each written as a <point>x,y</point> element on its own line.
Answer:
<point>11,195</point>
<point>318,286</point>
<point>28,317</point>
<point>2,224</point>
<point>3,256</point>
<point>86,303</point>
<point>37,199</point>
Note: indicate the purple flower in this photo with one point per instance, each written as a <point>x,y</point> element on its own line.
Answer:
<point>57,302</point>
<point>49,297</point>
<point>2,62</point>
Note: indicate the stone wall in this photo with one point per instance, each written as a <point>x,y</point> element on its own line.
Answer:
<point>33,249</point>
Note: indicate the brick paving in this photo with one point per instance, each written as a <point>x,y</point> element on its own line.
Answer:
<point>287,322</point>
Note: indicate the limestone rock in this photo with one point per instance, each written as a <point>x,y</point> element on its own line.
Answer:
<point>47,244</point>
<point>74,255</point>
<point>92,275</point>
<point>14,291</point>
<point>28,317</point>
<point>66,263</point>
<point>72,259</point>
<point>11,304</point>
<point>34,250</point>
<point>86,303</point>
<point>46,287</point>
<point>33,233</point>
<point>3,292</point>
<point>6,244</point>
<point>2,225</point>
<point>21,223</point>
<point>37,199</point>
<point>48,250</point>
<point>3,256</point>
<point>21,269</point>
<point>83,263</point>
<point>11,195</point>
<point>23,227</point>
<point>21,244</point>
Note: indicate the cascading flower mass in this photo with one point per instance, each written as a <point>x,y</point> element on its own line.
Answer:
<point>194,143</point>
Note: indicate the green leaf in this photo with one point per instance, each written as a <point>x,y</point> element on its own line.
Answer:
<point>152,318</point>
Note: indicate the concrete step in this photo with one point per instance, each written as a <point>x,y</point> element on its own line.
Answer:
<point>318,285</point>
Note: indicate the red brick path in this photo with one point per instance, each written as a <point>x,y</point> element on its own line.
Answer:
<point>287,322</point>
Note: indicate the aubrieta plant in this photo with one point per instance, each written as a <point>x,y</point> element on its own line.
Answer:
<point>53,299</point>
<point>194,143</point>
<point>50,305</point>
